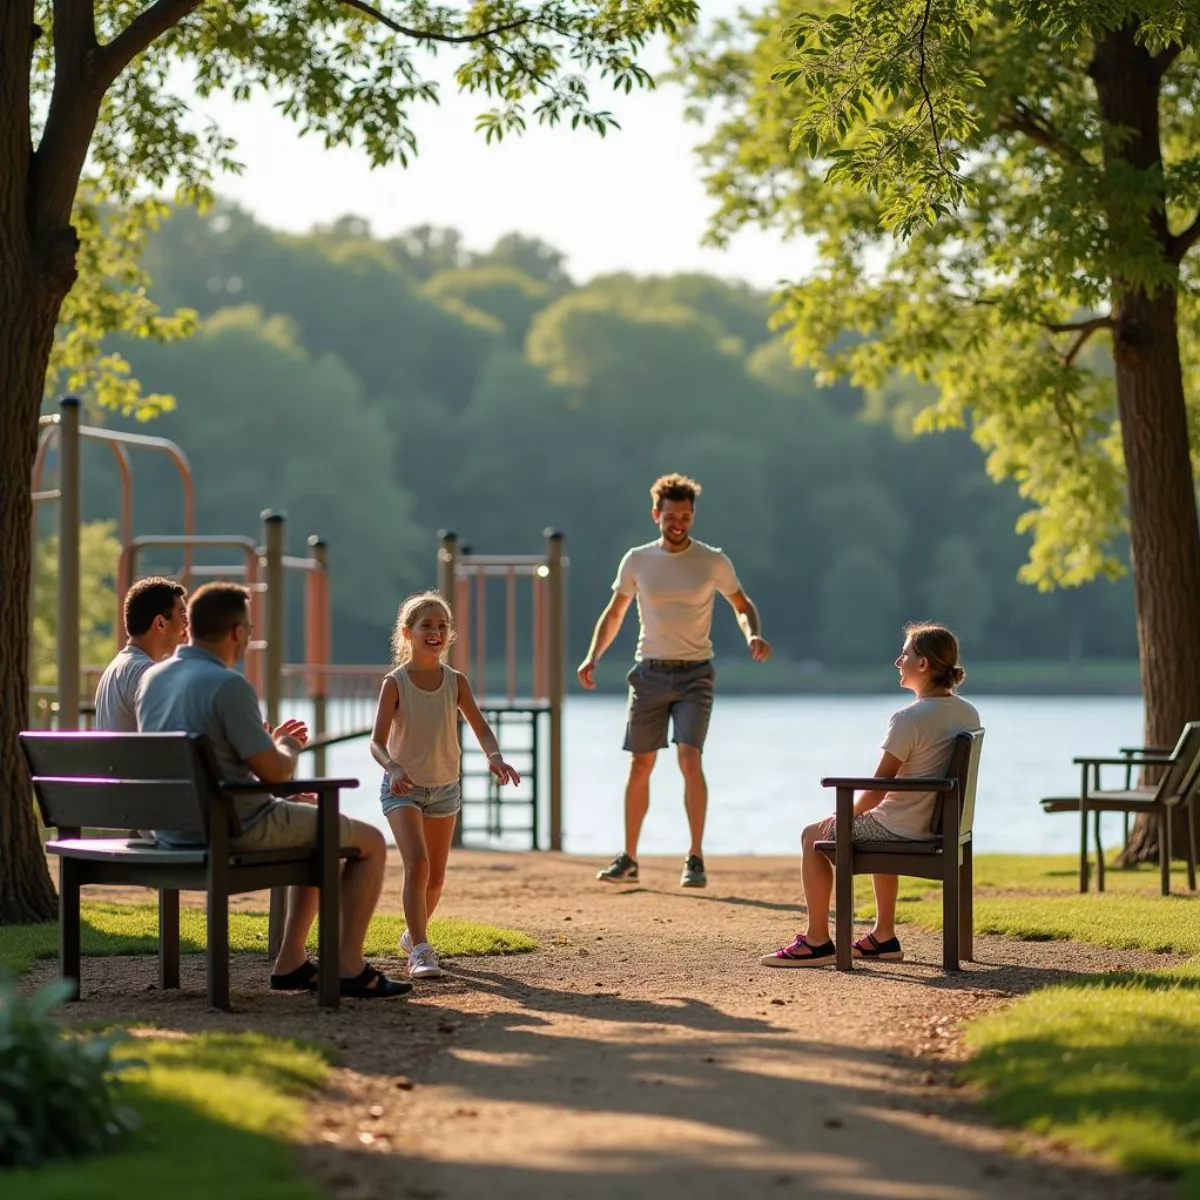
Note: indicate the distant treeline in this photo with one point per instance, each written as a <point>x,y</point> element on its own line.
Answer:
<point>379,389</point>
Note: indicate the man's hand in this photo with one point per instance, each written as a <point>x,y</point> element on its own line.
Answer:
<point>399,782</point>
<point>297,730</point>
<point>760,649</point>
<point>587,673</point>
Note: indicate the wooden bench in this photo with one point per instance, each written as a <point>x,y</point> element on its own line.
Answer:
<point>948,857</point>
<point>122,781</point>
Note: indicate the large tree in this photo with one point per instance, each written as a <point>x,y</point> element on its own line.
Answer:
<point>991,186</point>
<point>91,123</point>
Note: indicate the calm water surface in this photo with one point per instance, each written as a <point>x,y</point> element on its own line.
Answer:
<point>765,757</point>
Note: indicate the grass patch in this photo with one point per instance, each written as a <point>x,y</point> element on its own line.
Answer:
<point>109,929</point>
<point>1110,1063</point>
<point>217,1111</point>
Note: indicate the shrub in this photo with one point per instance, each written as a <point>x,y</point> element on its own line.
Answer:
<point>59,1092</point>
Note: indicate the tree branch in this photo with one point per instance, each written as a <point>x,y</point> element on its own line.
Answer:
<point>1164,58</point>
<point>937,141</point>
<point>1038,129</point>
<point>1183,241</point>
<point>427,35</point>
<point>151,23</point>
<point>1089,326</point>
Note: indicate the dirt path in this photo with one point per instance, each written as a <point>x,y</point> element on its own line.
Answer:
<point>643,1052</point>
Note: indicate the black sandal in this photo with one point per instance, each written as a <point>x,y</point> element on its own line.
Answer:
<point>302,979</point>
<point>871,947</point>
<point>372,984</point>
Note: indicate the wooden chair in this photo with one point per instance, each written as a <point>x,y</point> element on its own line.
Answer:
<point>121,781</point>
<point>1178,785</point>
<point>947,856</point>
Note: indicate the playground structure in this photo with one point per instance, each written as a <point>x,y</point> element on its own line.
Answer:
<point>338,700</point>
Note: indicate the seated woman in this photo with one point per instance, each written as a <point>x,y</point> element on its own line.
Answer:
<point>919,741</point>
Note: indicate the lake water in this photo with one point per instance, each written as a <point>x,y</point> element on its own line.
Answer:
<point>765,757</point>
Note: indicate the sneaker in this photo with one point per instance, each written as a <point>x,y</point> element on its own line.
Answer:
<point>802,953</point>
<point>423,963</point>
<point>693,872</point>
<point>622,869</point>
<point>406,942</point>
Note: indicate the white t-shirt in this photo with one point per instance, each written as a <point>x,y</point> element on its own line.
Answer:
<point>675,593</point>
<point>117,690</point>
<point>922,737</point>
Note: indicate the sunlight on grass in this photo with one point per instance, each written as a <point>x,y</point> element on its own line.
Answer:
<point>133,929</point>
<point>1109,1063</point>
<point>216,1111</point>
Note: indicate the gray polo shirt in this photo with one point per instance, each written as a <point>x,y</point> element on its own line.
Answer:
<point>117,690</point>
<point>197,693</point>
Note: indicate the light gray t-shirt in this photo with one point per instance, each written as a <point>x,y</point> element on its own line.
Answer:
<point>922,737</point>
<point>195,692</point>
<point>675,593</point>
<point>117,690</point>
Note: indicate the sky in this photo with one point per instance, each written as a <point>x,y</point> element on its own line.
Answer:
<point>634,200</point>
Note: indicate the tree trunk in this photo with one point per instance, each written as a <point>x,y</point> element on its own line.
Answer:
<point>28,312</point>
<point>1163,530</point>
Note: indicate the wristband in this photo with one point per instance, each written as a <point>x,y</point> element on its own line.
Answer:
<point>495,754</point>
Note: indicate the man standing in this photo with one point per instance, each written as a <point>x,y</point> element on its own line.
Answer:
<point>155,623</point>
<point>198,692</point>
<point>674,580</point>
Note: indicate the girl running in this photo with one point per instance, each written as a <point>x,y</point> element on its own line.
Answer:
<point>416,742</point>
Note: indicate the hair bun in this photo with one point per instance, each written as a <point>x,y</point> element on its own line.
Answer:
<point>957,675</point>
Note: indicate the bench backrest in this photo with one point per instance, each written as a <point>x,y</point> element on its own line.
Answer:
<point>123,780</point>
<point>1180,776</point>
<point>964,767</point>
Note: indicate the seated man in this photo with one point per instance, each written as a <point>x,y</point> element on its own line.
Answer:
<point>199,692</point>
<point>155,624</point>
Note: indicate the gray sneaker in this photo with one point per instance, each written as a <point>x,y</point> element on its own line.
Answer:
<point>622,869</point>
<point>693,872</point>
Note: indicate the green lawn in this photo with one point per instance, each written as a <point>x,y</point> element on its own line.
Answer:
<point>1108,1062</point>
<point>133,929</point>
<point>216,1112</point>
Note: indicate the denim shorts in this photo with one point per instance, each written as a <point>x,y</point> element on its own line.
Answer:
<point>442,801</point>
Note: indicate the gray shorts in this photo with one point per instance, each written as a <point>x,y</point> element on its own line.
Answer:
<point>443,801</point>
<point>660,693</point>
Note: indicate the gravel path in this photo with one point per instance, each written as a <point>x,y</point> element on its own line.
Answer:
<point>642,1051</point>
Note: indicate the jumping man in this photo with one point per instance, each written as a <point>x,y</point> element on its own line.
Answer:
<point>674,580</point>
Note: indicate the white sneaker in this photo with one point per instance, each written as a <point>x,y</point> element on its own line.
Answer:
<point>406,942</point>
<point>423,963</point>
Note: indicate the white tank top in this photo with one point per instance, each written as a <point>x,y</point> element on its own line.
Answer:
<point>423,738</point>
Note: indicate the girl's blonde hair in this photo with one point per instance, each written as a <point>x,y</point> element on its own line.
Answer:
<point>407,617</point>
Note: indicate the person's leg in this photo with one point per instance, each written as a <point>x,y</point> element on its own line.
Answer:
<point>362,881</point>
<point>817,873</point>
<point>887,888</point>
<point>439,832</point>
<point>637,799</point>
<point>301,912</point>
<point>408,828</point>
<point>695,795</point>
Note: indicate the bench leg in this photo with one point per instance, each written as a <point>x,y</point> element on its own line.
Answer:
<point>168,938</point>
<point>218,950</point>
<point>68,922</point>
<point>1083,848</point>
<point>1099,853</point>
<point>966,905</point>
<point>843,882</point>
<point>328,944</point>
<point>950,917</point>
<point>1191,846</point>
<point>1164,850</point>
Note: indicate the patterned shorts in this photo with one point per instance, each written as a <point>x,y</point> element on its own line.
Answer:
<point>866,829</point>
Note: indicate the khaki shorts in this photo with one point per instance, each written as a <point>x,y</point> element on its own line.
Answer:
<point>287,824</point>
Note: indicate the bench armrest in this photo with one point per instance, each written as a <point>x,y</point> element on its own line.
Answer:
<point>1154,750</point>
<point>289,787</point>
<point>869,784</point>
<point>1142,760</point>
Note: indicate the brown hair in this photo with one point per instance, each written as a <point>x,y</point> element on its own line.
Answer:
<point>406,618</point>
<point>940,647</point>
<point>216,609</point>
<point>150,598</point>
<point>674,487</point>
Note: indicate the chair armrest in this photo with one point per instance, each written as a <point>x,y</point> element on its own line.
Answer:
<point>289,787</point>
<point>1155,750</point>
<point>1143,760</point>
<point>870,784</point>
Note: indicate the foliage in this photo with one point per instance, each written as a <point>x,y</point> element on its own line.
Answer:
<point>98,553</point>
<point>973,131</point>
<point>59,1095</point>
<point>120,929</point>
<point>217,1111</point>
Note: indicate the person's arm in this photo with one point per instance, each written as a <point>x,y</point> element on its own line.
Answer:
<point>602,636</point>
<point>272,756</point>
<point>278,764</point>
<point>386,712</point>
<point>751,626</point>
<point>483,733</point>
<point>889,768</point>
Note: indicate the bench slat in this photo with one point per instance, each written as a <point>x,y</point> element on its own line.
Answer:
<point>144,853</point>
<point>120,803</point>
<point>113,755</point>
